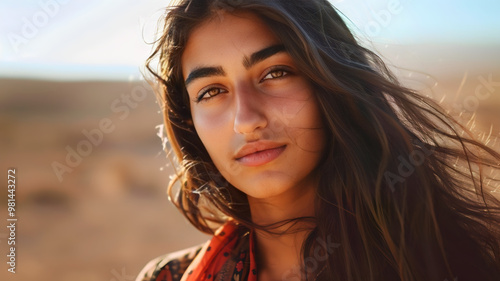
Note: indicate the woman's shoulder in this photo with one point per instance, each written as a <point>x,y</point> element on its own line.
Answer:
<point>169,267</point>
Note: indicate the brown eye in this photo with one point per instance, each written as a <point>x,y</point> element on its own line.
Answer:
<point>276,74</point>
<point>209,93</point>
<point>213,92</point>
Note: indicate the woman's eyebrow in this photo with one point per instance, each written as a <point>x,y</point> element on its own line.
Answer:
<point>201,72</point>
<point>255,58</point>
<point>262,55</point>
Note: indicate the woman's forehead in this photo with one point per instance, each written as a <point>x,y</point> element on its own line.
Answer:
<point>243,32</point>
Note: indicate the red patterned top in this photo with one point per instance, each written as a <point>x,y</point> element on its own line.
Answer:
<point>228,256</point>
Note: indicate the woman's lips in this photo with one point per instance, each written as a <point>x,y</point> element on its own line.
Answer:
<point>261,157</point>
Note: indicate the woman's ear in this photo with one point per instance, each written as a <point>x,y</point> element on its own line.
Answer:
<point>189,122</point>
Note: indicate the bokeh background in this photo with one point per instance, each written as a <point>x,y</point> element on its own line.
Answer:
<point>68,68</point>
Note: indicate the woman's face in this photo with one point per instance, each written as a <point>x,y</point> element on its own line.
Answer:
<point>255,113</point>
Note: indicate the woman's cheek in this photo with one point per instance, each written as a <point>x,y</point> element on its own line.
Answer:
<point>207,116</point>
<point>214,130</point>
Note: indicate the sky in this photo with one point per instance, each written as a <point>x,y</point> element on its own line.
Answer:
<point>105,39</point>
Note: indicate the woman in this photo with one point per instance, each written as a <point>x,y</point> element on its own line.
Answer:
<point>307,160</point>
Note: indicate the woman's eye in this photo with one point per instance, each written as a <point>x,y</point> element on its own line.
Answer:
<point>207,94</point>
<point>274,74</point>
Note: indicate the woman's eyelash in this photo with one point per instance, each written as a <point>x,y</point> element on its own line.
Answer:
<point>281,71</point>
<point>206,92</point>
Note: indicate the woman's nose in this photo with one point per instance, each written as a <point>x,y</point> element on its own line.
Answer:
<point>249,110</point>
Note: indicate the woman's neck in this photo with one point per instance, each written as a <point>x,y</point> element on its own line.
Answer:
<point>279,253</point>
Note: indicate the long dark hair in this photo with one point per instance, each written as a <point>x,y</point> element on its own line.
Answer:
<point>404,191</point>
